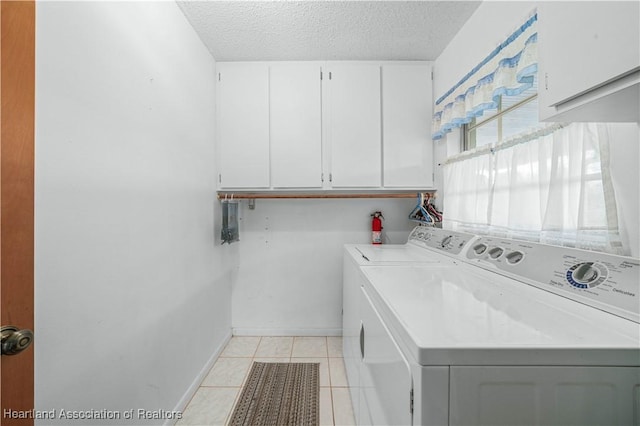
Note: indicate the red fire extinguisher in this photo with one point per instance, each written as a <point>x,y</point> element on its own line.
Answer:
<point>376,228</point>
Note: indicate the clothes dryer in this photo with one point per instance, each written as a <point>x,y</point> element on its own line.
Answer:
<point>426,246</point>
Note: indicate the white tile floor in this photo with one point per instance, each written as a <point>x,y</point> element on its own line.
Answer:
<point>213,402</point>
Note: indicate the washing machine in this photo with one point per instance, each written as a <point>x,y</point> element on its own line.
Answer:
<point>516,333</point>
<point>426,246</point>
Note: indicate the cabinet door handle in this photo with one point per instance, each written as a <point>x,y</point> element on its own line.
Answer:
<point>362,341</point>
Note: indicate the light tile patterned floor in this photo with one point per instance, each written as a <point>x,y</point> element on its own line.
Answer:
<point>213,402</point>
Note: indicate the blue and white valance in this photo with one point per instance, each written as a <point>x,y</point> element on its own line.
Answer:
<point>508,71</point>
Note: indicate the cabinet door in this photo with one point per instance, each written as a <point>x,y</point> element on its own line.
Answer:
<point>585,44</point>
<point>354,125</point>
<point>296,132</point>
<point>406,126</point>
<point>243,125</point>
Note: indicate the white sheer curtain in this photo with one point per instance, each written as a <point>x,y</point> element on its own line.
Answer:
<point>551,186</point>
<point>467,194</point>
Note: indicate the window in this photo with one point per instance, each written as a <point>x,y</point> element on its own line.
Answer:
<point>509,70</point>
<point>523,179</point>
<point>514,115</point>
<point>549,185</point>
<point>517,177</point>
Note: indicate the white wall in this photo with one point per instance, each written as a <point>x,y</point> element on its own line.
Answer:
<point>490,25</point>
<point>132,288</point>
<point>289,278</point>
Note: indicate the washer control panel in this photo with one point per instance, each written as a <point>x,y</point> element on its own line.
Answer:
<point>440,239</point>
<point>604,281</point>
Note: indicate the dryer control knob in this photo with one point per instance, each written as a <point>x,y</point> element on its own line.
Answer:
<point>479,249</point>
<point>514,257</point>
<point>496,252</point>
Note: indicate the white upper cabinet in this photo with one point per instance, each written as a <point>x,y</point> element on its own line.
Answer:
<point>589,60</point>
<point>243,125</point>
<point>406,126</point>
<point>296,125</point>
<point>353,125</point>
<point>318,125</point>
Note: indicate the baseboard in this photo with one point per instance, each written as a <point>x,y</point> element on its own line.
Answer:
<point>186,398</point>
<point>287,331</point>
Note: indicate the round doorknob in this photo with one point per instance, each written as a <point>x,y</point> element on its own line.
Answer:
<point>15,340</point>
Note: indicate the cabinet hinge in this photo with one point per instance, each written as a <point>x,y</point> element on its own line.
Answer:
<point>546,81</point>
<point>219,178</point>
<point>320,75</point>
<point>411,401</point>
<point>329,75</point>
<point>431,74</point>
<point>330,177</point>
<point>321,177</point>
<point>219,77</point>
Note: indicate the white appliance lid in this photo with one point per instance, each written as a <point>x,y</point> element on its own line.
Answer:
<point>467,316</point>
<point>395,253</point>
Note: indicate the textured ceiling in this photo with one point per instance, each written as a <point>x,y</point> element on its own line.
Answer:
<point>326,30</point>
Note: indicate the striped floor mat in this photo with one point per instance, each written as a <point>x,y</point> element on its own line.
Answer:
<point>279,394</point>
